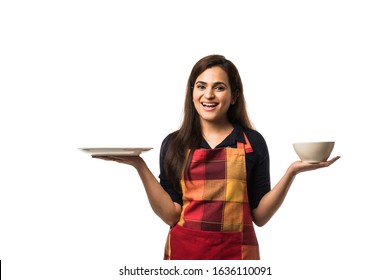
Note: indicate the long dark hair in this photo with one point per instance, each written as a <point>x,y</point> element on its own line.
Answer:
<point>189,135</point>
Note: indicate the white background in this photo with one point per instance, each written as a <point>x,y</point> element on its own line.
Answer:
<point>113,73</point>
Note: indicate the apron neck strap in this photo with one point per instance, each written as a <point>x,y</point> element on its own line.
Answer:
<point>247,146</point>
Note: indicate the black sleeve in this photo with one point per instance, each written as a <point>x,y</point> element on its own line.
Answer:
<point>258,171</point>
<point>164,182</point>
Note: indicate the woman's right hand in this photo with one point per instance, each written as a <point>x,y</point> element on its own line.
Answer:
<point>159,199</point>
<point>135,161</point>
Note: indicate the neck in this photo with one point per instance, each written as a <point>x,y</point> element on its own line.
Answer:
<point>216,133</point>
<point>216,128</point>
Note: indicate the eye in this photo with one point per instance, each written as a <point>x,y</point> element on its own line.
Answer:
<point>201,87</point>
<point>220,88</point>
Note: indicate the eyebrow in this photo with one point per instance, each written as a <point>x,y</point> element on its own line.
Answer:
<point>215,84</point>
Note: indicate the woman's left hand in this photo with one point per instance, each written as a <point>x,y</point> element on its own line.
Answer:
<point>300,166</point>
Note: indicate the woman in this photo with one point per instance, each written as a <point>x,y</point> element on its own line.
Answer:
<point>214,180</point>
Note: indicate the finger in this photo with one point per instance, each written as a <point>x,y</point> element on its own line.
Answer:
<point>99,157</point>
<point>329,162</point>
<point>118,159</point>
<point>333,160</point>
<point>103,157</point>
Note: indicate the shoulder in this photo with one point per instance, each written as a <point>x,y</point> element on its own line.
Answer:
<point>257,142</point>
<point>169,137</point>
<point>167,140</point>
<point>254,136</point>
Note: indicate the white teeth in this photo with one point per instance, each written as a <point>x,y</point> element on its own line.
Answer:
<point>209,104</point>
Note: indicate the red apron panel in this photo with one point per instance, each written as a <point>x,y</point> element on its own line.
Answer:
<point>188,244</point>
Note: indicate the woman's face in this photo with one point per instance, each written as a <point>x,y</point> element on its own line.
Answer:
<point>212,96</point>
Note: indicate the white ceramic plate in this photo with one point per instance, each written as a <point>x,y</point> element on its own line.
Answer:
<point>115,151</point>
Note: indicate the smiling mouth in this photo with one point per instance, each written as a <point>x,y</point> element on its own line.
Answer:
<point>209,104</point>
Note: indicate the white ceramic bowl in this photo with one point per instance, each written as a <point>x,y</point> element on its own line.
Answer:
<point>313,152</point>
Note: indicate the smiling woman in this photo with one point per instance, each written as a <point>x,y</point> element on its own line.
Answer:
<point>214,171</point>
<point>212,97</point>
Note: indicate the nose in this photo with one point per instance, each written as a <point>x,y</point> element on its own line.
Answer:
<point>209,94</point>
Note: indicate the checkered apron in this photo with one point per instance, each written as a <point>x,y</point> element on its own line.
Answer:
<point>215,223</point>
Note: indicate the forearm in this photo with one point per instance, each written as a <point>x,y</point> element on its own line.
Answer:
<point>271,202</point>
<point>159,199</point>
